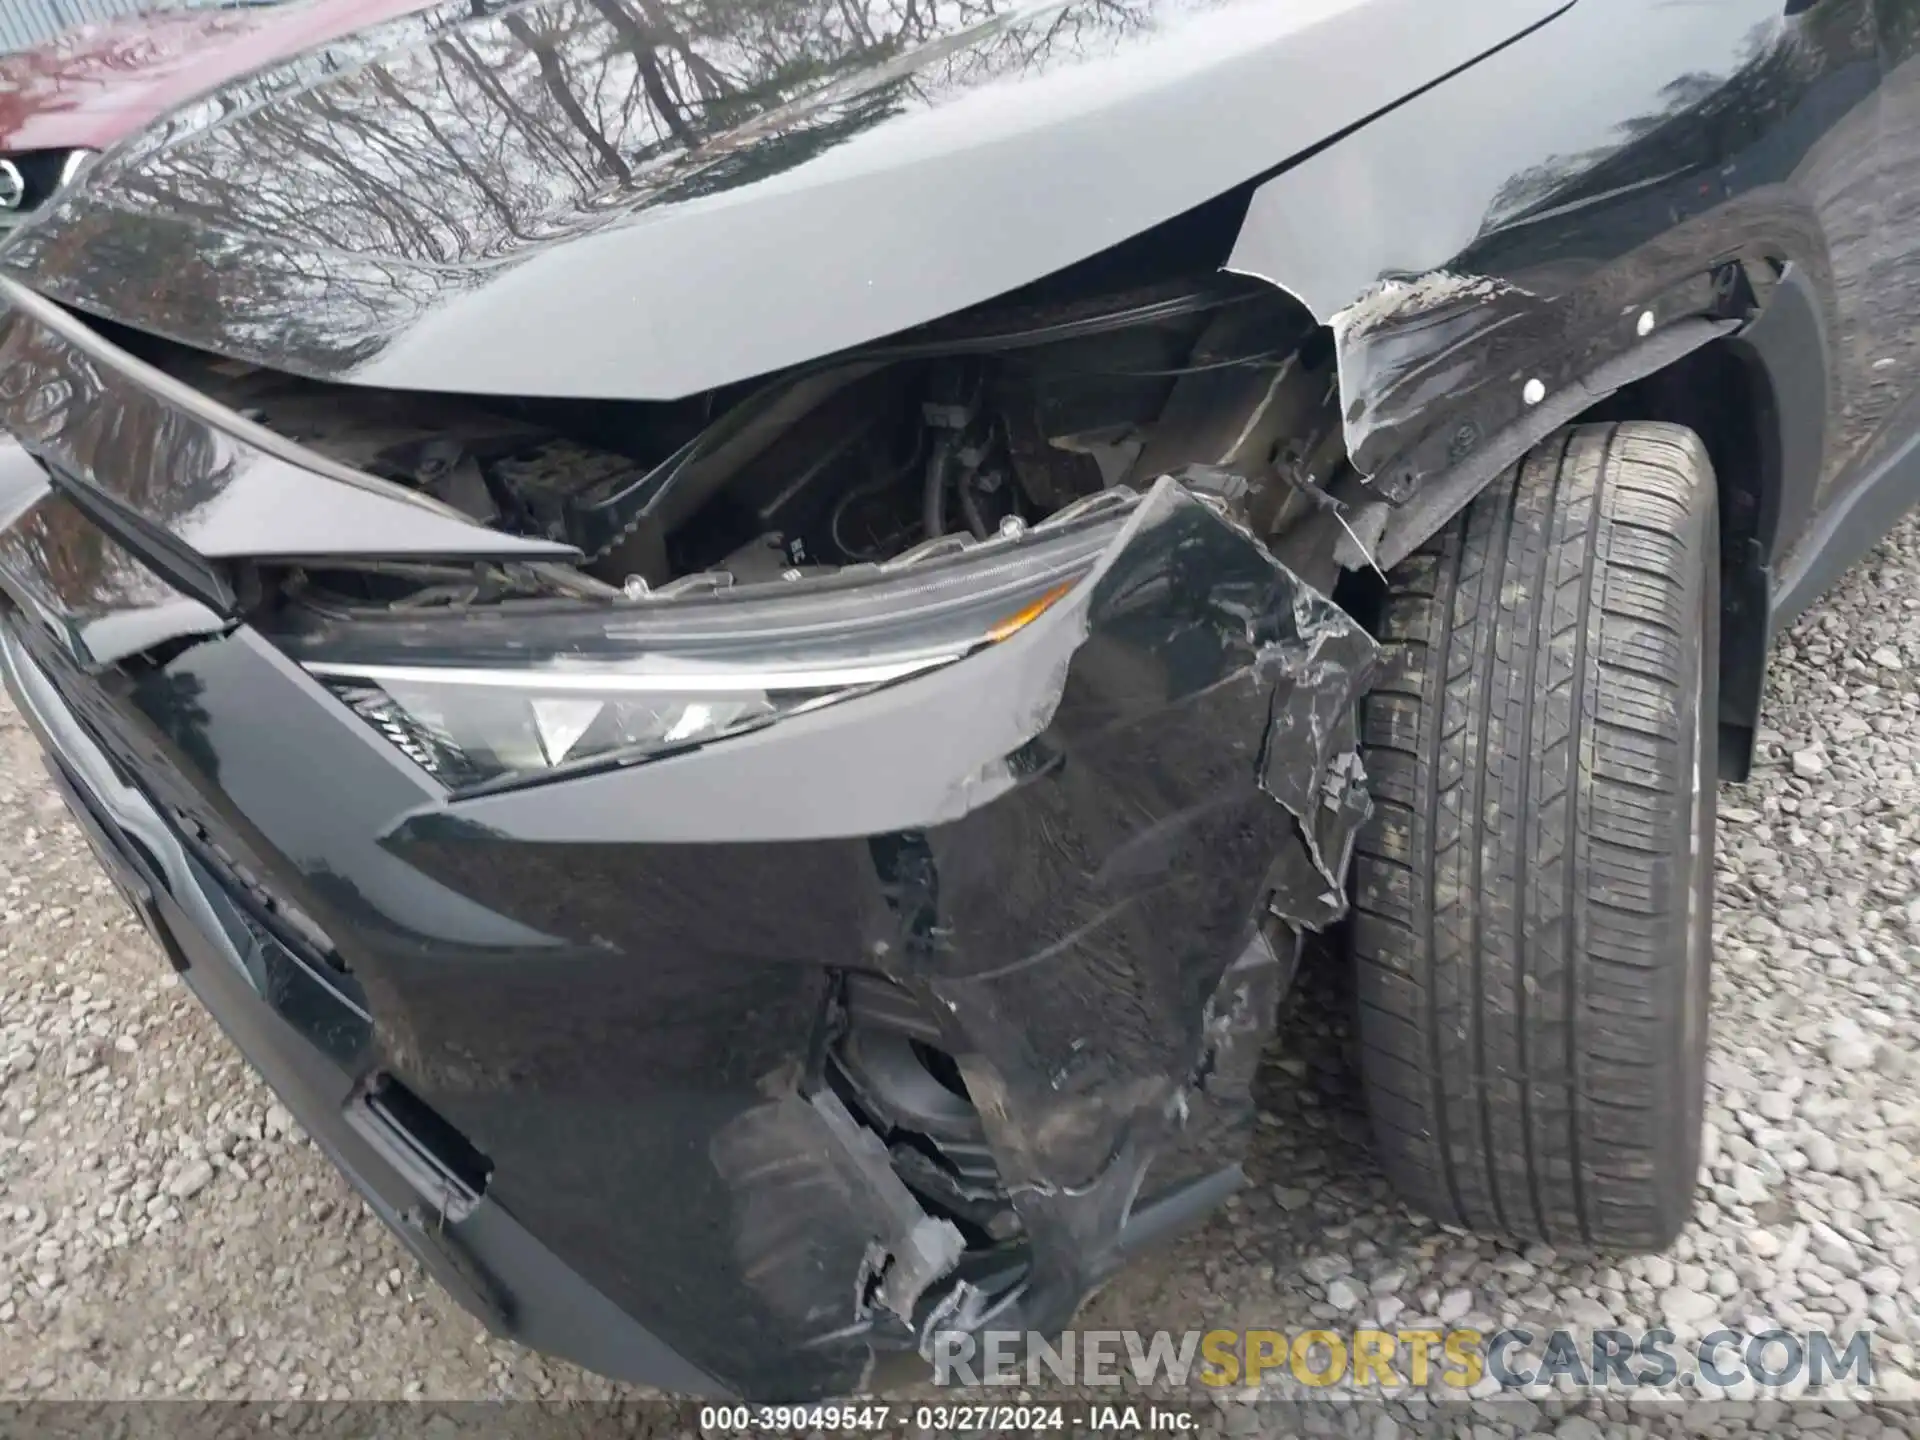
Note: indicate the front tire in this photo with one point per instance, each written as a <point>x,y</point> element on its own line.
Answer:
<point>1533,894</point>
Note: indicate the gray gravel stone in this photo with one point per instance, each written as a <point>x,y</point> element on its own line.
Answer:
<point>1882,1280</point>
<point>1748,1186</point>
<point>1322,1268</point>
<point>1776,1105</point>
<point>1810,764</point>
<point>1344,1295</point>
<point>1682,1305</point>
<point>1849,1049</point>
<point>191,1180</point>
<point>1393,1278</point>
<point>1833,1248</point>
<point>1586,1310</point>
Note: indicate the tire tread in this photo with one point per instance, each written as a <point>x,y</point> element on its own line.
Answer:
<point>1516,911</point>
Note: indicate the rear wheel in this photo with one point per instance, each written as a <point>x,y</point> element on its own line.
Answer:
<point>1533,893</point>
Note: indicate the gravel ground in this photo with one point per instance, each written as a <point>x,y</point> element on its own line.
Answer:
<point>163,1230</point>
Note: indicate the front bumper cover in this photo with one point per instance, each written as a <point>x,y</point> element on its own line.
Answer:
<point>1076,849</point>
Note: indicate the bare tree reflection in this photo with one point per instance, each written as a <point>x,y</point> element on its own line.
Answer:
<point>416,170</point>
<point>163,463</point>
<point>44,78</point>
<point>1705,117</point>
<point>172,700</point>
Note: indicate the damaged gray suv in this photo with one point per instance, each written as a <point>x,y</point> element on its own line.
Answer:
<point>736,643</point>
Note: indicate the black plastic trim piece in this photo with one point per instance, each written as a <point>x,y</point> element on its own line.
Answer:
<point>1441,497</point>
<point>1846,529</point>
<point>1789,344</point>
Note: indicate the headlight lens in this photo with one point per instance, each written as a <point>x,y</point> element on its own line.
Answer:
<point>509,694</point>
<point>470,727</point>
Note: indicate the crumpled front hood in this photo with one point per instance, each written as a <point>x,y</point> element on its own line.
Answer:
<point>647,198</point>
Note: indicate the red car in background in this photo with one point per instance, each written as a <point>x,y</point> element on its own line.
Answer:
<point>78,93</point>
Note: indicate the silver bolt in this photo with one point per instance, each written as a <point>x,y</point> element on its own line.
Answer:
<point>1012,528</point>
<point>1644,327</point>
<point>635,587</point>
<point>1533,392</point>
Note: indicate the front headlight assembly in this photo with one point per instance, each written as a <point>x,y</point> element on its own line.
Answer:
<point>511,693</point>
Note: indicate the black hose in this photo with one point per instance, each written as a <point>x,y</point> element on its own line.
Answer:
<point>970,505</point>
<point>884,480</point>
<point>933,504</point>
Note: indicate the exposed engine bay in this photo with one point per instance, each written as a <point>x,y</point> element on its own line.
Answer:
<point>981,425</point>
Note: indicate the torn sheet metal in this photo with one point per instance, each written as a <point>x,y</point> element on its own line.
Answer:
<point>1068,848</point>
<point>1473,269</point>
<point>832,1240</point>
<point>1193,771</point>
<point>1405,345</point>
<point>181,477</point>
<point>1218,1108</point>
<point>1408,527</point>
<point>1328,800</point>
<point>1088,923</point>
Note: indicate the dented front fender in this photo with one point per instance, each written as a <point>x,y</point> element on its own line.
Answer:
<point>1572,212</point>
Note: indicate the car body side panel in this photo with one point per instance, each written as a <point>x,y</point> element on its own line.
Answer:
<point>1859,502</point>
<point>583,198</point>
<point>1790,356</point>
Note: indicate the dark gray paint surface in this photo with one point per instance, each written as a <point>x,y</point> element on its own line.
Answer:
<point>593,198</point>
<point>1067,846</point>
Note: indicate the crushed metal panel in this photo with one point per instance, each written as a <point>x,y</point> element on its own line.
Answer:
<point>915,1249</point>
<point>1444,495</point>
<point>1070,848</point>
<point>143,452</point>
<point>1086,1005</point>
<point>824,1231</point>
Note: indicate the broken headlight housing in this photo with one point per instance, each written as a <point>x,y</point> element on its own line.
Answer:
<point>517,692</point>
